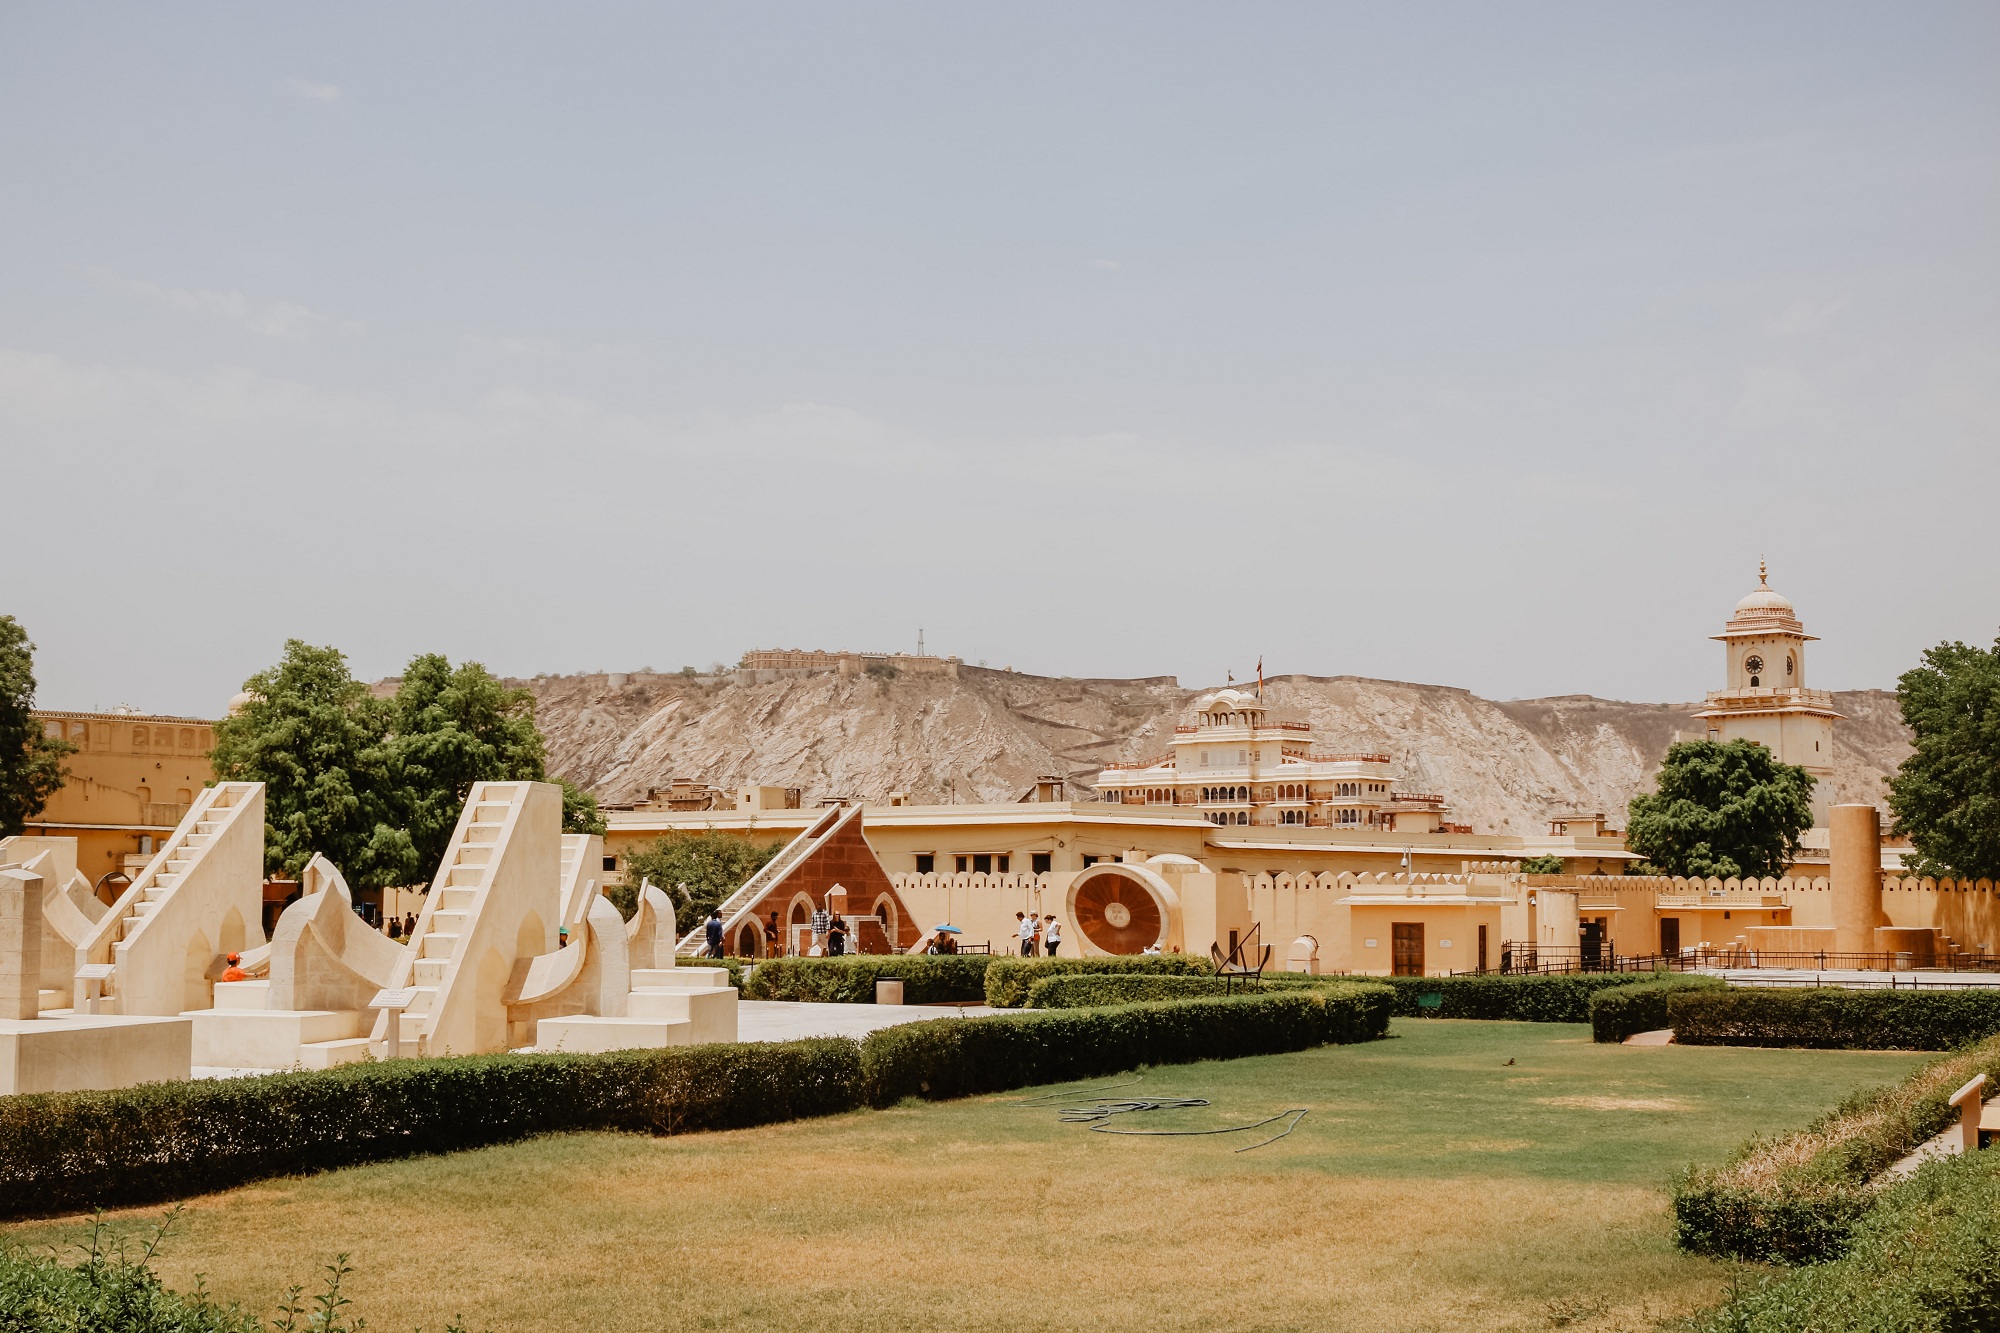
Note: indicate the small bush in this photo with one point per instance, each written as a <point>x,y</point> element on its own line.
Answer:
<point>1829,1019</point>
<point>1926,1260</point>
<point>1624,1011</point>
<point>926,978</point>
<point>104,1294</point>
<point>1563,998</point>
<point>1796,1198</point>
<point>958,1057</point>
<point>1008,980</point>
<point>71,1150</point>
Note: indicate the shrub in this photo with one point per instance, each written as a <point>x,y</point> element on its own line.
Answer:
<point>1562,998</point>
<point>1832,1019</point>
<point>1796,1198</point>
<point>957,1057</point>
<point>1623,1011</point>
<point>1089,989</point>
<point>926,978</point>
<point>105,1294</point>
<point>1927,1260</point>
<point>1008,979</point>
<point>64,1151</point>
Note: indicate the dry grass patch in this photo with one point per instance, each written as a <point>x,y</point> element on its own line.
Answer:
<point>1422,1191</point>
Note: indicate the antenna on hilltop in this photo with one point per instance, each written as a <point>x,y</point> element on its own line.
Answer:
<point>920,641</point>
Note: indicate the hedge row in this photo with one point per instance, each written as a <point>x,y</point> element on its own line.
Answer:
<point>1796,1198</point>
<point>955,1057</point>
<point>1926,1260</point>
<point>926,978</point>
<point>66,1151</point>
<point>1833,1019</point>
<point>1625,1011</point>
<point>167,1140</point>
<point>1563,998</point>
<point>1007,981</point>
<point>1087,990</point>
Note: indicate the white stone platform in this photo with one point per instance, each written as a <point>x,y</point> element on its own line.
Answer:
<point>64,1052</point>
<point>786,1020</point>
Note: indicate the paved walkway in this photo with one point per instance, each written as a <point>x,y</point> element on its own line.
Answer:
<point>785,1020</point>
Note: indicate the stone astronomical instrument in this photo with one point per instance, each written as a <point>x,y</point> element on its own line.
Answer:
<point>1117,913</point>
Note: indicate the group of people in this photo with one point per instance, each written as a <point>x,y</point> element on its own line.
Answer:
<point>1039,937</point>
<point>402,929</point>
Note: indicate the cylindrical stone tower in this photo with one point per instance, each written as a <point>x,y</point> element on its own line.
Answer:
<point>1857,878</point>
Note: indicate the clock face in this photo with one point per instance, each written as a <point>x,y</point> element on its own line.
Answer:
<point>1754,665</point>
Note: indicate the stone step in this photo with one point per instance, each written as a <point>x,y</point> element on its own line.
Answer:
<point>680,978</point>
<point>329,1054</point>
<point>435,944</point>
<point>430,971</point>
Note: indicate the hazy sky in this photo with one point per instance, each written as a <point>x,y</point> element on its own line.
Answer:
<point>1483,345</point>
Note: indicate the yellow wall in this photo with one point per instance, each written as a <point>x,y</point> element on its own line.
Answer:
<point>132,777</point>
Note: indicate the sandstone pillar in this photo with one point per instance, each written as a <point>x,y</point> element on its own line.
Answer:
<point>1856,831</point>
<point>20,945</point>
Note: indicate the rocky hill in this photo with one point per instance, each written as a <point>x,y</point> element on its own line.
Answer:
<point>987,735</point>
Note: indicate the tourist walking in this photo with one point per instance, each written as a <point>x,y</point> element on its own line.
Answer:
<point>715,933</point>
<point>1027,934</point>
<point>1051,936</point>
<point>836,939</point>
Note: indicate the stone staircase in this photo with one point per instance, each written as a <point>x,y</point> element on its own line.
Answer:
<point>754,888</point>
<point>224,823</point>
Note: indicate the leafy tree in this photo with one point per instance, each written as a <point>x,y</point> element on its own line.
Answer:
<point>1542,865</point>
<point>447,729</point>
<point>314,737</point>
<point>1946,795</point>
<point>580,812</point>
<point>31,767</point>
<point>1729,810</point>
<point>698,870</point>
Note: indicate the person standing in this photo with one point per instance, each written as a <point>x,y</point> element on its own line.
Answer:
<point>1027,934</point>
<point>836,939</point>
<point>771,935</point>
<point>714,933</point>
<point>1051,936</point>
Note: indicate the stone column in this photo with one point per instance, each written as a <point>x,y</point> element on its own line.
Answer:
<point>20,944</point>
<point>1856,831</point>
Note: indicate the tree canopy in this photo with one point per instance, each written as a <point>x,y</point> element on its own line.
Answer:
<point>1722,809</point>
<point>31,767</point>
<point>1946,795</point>
<point>376,785</point>
<point>698,870</point>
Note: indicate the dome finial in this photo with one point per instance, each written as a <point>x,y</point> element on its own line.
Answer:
<point>1763,573</point>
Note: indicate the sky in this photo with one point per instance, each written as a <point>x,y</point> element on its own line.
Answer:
<point>1478,345</point>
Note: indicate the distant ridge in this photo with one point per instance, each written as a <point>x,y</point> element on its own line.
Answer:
<point>1505,766</point>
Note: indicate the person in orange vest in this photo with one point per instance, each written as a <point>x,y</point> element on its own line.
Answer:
<point>233,972</point>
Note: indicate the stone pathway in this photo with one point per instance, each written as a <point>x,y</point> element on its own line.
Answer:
<point>784,1020</point>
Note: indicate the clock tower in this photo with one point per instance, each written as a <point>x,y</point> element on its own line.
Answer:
<point>1766,699</point>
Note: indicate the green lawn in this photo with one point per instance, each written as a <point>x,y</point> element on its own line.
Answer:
<point>1432,1185</point>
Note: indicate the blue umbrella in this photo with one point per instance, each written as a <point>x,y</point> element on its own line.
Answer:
<point>954,930</point>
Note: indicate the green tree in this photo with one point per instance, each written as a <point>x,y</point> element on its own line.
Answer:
<point>1721,809</point>
<point>1946,795</point>
<point>449,727</point>
<point>315,738</point>
<point>580,812</point>
<point>1542,865</point>
<point>698,870</point>
<point>31,767</point>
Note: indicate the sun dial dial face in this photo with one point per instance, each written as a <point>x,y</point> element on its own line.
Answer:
<point>1117,915</point>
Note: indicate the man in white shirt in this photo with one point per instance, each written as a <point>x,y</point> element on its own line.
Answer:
<point>1027,934</point>
<point>1051,936</point>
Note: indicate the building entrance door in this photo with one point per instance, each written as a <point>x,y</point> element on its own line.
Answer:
<point>1406,948</point>
<point>1590,935</point>
<point>1670,936</point>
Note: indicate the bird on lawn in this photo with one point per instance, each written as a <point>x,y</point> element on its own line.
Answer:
<point>1510,1059</point>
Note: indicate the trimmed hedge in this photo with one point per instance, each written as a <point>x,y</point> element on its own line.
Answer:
<point>66,1151</point>
<point>926,978</point>
<point>1008,979</point>
<point>1927,1260</point>
<point>957,1057</point>
<point>1561,998</point>
<point>1830,1019</point>
<point>1625,1011</point>
<point>1797,1198</point>
<point>61,1152</point>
